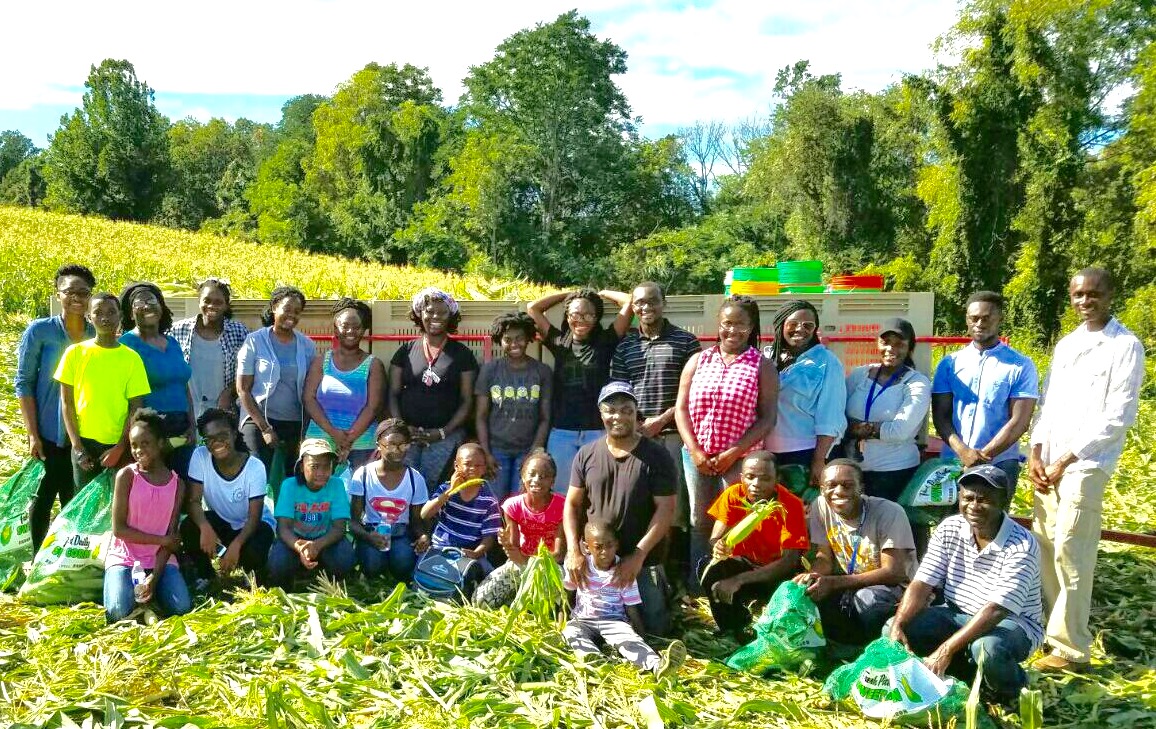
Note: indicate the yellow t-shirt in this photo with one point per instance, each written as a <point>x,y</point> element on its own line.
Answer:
<point>103,381</point>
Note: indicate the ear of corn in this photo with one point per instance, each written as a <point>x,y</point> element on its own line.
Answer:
<point>466,485</point>
<point>756,515</point>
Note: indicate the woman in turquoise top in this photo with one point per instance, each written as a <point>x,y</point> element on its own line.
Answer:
<point>343,390</point>
<point>812,391</point>
<point>146,321</point>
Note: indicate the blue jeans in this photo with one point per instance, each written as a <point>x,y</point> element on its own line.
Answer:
<point>654,590</point>
<point>508,482</point>
<point>1005,647</point>
<point>399,560</point>
<point>856,617</point>
<point>285,564</point>
<point>430,460</point>
<point>1012,468</point>
<point>119,599</point>
<point>563,446</point>
<point>702,490</point>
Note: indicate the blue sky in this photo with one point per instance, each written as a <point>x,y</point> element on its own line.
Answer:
<point>688,59</point>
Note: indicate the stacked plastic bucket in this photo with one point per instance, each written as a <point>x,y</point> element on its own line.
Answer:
<point>754,281</point>
<point>801,277</point>
<point>863,284</point>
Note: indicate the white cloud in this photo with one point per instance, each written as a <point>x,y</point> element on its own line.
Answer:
<point>300,46</point>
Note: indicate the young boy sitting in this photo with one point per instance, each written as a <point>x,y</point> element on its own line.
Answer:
<point>312,514</point>
<point>468,519</point>
<point>769,555</point>
<point>611,613</point>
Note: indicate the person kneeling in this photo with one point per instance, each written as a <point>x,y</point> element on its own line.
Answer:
<point>760,562</point>
<point>146,502</point>
<point>988,569</point>
<point>467,519</point>
<point>612,614</point>
<point>868,540</point>
<point>312,516</point>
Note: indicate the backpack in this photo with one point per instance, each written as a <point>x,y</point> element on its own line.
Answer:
<point>446,573</point>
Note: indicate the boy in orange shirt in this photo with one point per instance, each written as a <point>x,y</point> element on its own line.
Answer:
<point>771,554</point>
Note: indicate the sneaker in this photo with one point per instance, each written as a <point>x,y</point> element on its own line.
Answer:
<point>671,660</point>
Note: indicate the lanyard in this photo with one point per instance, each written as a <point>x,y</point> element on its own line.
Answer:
<point>872,396</point>
<point>854,543</point>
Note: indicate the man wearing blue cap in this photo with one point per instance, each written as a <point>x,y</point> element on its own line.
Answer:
<point>986,567</point>
<point>628,482</point>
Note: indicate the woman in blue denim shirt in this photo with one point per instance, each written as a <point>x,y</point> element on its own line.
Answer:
<point>812,391</point>
<point>37,356</point>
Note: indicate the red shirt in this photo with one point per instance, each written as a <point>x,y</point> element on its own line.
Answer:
<point>773,535</point>
<point>535,527</point>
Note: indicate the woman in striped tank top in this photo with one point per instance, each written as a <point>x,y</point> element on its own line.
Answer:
<point>725,407</point>
<point>344,388</point>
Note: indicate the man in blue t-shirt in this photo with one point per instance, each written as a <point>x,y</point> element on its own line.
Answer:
<point>312,514</point>
<point>983,395</point>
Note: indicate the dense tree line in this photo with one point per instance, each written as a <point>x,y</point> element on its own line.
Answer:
<point>1006,170</point>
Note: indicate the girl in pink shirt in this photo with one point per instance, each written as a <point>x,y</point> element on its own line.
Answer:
<point>531,518</point>
<point>146,503</point>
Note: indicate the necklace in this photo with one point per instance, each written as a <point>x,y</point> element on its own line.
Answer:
<point>429,378</point>
<point>852,543</point>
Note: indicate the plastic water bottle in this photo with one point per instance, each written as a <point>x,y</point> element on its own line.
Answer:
<point>138,578</point>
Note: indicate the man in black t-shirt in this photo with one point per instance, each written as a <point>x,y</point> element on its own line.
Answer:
<point>628,482</point>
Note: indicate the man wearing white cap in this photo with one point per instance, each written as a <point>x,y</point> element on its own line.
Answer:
<point>628,482</point>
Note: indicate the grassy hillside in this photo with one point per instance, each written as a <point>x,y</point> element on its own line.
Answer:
<point>33,244</point>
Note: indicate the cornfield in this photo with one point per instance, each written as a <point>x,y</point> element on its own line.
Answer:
<point>372,655</point>
<point>33,244</point>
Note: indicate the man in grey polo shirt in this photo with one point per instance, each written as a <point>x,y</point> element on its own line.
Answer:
<point>987,569</point>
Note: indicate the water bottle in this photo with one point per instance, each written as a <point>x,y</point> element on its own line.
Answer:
<point>386,531</point>
<point>138,578</point>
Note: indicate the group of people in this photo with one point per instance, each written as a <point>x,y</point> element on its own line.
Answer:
<point>630,459</point>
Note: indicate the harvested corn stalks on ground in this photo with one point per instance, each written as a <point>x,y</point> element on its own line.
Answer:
<point>368,655</point>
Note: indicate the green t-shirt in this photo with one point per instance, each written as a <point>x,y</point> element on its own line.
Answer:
<point>312,512</point>
<point>103,380</point>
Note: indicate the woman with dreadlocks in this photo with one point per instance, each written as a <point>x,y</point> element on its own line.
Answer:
<point>724,409</point>
<point>812,391</point>
<point>582,350</point>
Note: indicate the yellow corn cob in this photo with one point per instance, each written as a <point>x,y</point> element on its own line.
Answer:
<point>465,485</point>
<point>755,516</point>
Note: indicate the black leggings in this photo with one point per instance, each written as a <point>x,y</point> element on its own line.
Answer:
<point>254,552</point>
<point>57,481</point>
<point>288,432</point>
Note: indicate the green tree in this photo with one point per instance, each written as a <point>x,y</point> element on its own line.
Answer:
<point>374,156</point>
<point>24,184</point>
<point>111,156</point>
<point>14,149</point>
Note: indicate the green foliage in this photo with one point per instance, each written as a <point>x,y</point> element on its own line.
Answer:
<point>24,184</point>
<point>111,156</point>
<point>14,149</point>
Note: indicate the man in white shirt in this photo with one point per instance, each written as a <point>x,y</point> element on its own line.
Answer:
<point>1091,397</point>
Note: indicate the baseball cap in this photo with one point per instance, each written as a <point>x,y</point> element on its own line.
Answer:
<point>895,325</point>
<point>317,447</point>
<point>617,387</point>
<point>986,474</point>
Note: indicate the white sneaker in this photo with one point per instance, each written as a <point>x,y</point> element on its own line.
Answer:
<point>672,659</point>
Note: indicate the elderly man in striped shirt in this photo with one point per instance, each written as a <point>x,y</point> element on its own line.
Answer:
<point>986,568</point>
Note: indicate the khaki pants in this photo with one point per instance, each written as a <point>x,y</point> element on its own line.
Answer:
<point>1067,525</point>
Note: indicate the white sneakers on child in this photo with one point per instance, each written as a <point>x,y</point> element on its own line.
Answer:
<point>671,660</point>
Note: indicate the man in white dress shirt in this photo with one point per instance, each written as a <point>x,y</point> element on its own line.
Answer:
<point>1091,397</point>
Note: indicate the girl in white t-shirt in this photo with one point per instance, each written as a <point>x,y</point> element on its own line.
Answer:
<point>227,502</point>
<point>385,500</point>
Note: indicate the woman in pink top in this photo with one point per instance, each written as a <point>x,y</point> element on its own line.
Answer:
<point>146,502</point>
<point>725,407</point>
<point>533,517</point>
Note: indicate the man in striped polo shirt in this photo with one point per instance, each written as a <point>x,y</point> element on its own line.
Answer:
<point>986,569</point>
<point>651,358</point>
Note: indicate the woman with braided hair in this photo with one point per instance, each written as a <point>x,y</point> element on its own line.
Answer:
<point>812,391</point>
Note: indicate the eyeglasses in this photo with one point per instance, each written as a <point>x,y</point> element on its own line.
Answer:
<point>75,293</point>
<point>393,446</point>
<point>807,326</point>
<point>578,316</point>
<point>212,439</point>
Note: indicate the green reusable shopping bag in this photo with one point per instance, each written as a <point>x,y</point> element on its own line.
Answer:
<point>16,497</point>
<point>69,567</point>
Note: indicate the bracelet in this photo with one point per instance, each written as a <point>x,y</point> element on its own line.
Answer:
<point>442,433</point>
